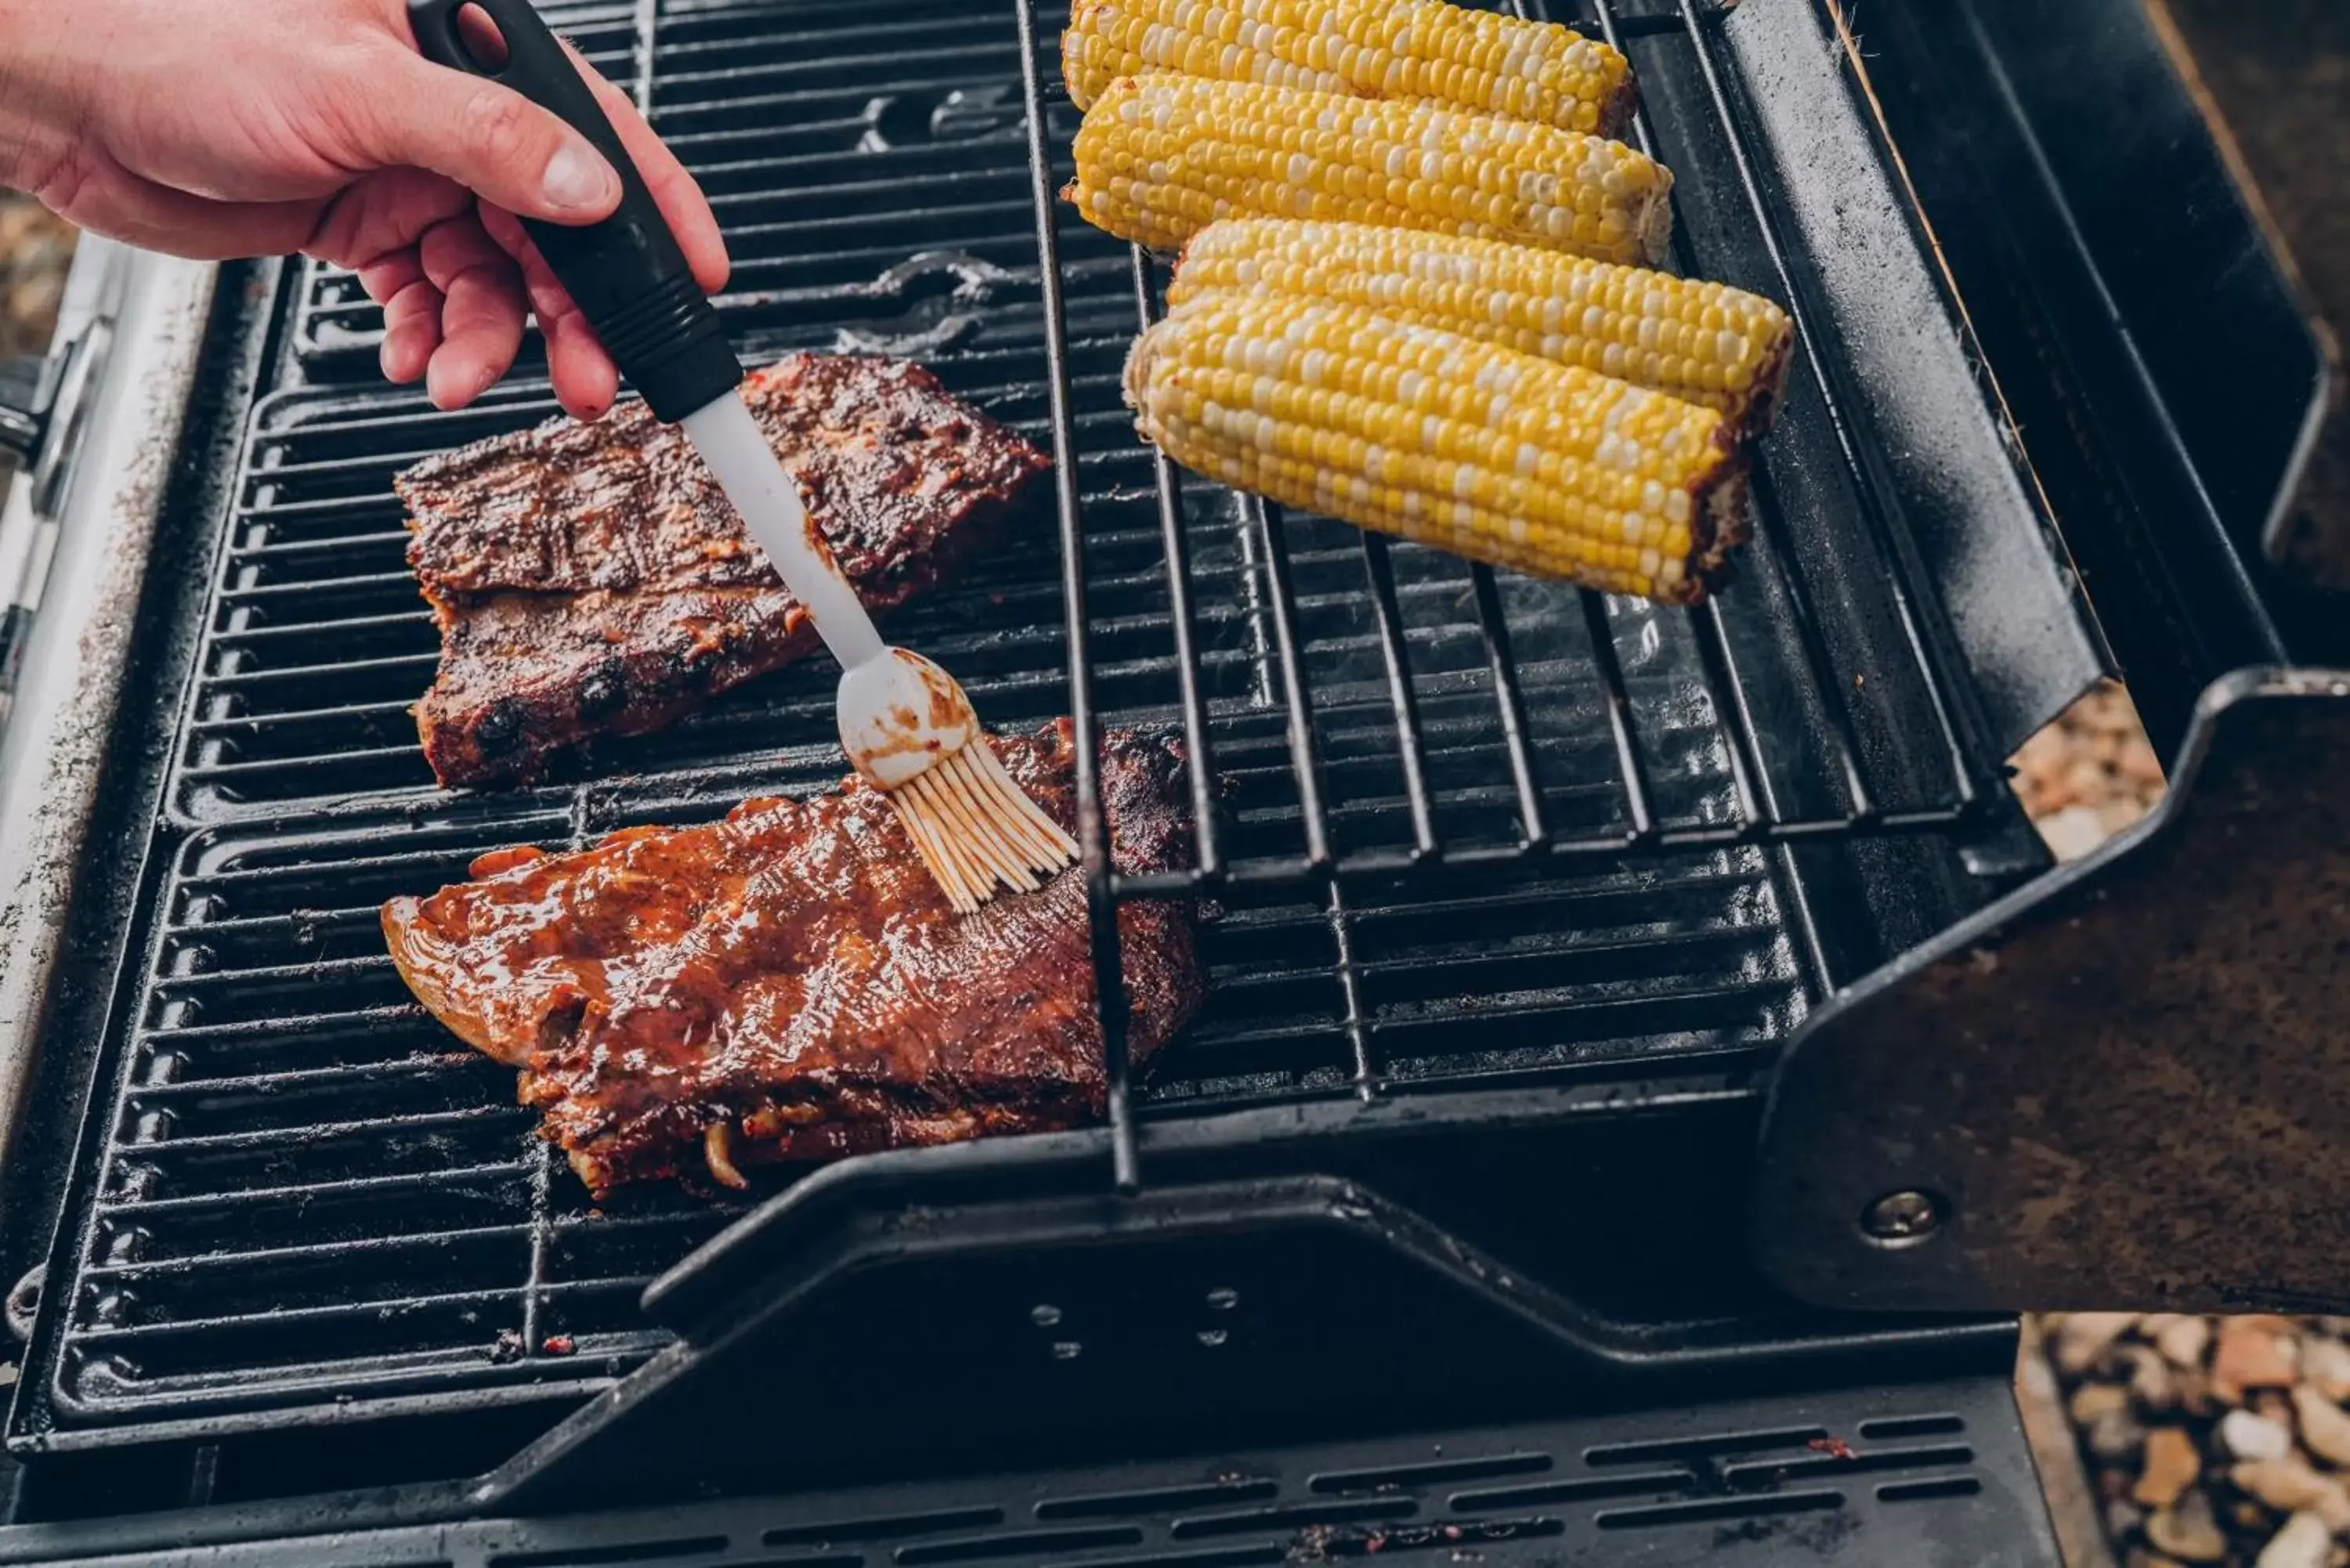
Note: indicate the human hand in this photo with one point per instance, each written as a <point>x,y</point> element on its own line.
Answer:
<point>275,126</point>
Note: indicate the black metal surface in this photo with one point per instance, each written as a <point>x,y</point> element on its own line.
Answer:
<point>1207,1303</point>
<point>1522,887</point>
<point>2156,359</point>
<point>2263,75</point>
<point>2122,1085</point>
<point>1937,1475</point>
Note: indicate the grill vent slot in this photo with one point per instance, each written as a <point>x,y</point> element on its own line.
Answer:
<point>595,1556</point>
<point>1434,1473</point>
<point>1177,1497</point>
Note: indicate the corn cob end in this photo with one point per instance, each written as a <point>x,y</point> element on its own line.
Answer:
<point>1760,408</point>
<point>1721,527</point>
<point>1656,220</point>
<point>1616,109</point>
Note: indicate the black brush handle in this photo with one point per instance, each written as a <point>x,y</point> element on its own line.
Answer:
<point>626,271</point>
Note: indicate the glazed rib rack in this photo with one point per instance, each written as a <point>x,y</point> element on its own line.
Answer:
<point>1465,830</point>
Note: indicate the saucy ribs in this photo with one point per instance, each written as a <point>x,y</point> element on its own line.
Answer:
<point>789,983</point>
<point>591,578</point>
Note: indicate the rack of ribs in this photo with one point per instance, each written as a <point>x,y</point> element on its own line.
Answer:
<point>789,983</point>
<point>591,578</point>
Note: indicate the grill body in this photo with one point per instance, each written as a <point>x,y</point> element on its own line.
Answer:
<point>1520,889</point>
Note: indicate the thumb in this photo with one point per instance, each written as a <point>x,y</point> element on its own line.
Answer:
<point>489,139</point>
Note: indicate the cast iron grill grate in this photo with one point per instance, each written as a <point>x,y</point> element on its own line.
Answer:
<point>1480,829</point>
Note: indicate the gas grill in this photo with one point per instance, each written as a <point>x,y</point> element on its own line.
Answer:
<point>1446,1229</point>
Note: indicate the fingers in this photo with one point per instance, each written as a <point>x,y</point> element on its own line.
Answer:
<point>487,138</point>
<point>385,214</point>
<point>480,311</point>
<point>585,380</point>
<point>411,331</point>
<point>674,190</point>
<point>411,313</point>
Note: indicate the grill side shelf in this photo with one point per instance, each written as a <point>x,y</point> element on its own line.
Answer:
<point>2122,1085</point>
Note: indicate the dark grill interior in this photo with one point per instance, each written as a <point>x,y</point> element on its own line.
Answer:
<point>305,1188</point>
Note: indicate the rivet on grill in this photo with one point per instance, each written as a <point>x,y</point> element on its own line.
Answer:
<point>1223,1298</point>
<point>1066,1350</point>
<point>1903,1218</point>
<point>1212,1337</point>
<point>1044,1314</point>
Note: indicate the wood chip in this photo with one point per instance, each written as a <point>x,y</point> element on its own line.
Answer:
<point>2188,1532</point>
<point>2183,1340</point>
<point>2171,1466</point>
<point>2306,1541</point>
<point>2324,1429</point>
<point>2325,1363</point>
<point>2084,1337</point>
<point>2290,1486</point>
<point>2254,1353</point>
<point>2254,1437</point>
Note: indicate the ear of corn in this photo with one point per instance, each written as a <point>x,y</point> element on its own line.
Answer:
<point>1161,156</point>
<point>1443,438</point>
<point>1475,60</point>
<point>1707,342</point>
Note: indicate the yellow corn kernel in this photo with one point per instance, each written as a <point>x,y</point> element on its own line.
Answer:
<point>1474,60</point>
<point>1455,442</point>
<point>1707,342</point>
<point>1161,156</point>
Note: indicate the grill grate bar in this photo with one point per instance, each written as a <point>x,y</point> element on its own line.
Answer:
<point>322,1252</point>
<point>150,1209</point>
<point>1305,759</point>
<point>1354,1018</point>
<point>1758,807</point>
<point>1093,825</point>
<point>1182,616</point>
<point>1511,700</point>
<point>1635,772</point>
<point>301,1077</point>
<point>301,675</point>
<point>1410,748</point>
